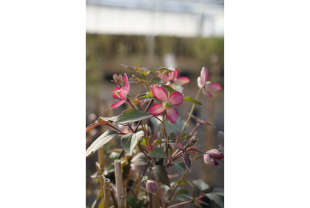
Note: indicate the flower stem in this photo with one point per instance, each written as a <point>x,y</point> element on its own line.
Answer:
<point>189,116</point>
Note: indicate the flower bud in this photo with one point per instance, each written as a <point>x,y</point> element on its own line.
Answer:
<point>151,186</point>
<point>209,160</point>
<point>214,153</point>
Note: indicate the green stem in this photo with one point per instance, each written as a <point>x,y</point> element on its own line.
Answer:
<point>192,110</point>
<point>176,185</point>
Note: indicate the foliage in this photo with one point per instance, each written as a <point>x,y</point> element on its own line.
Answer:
<point>156,147</point>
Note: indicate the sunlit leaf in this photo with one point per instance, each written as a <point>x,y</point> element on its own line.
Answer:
<point>201,185</point>
<point>139,159</point>
<point>148,70</point>
<point>159,173</point>
<point>191,100</point>
<point>187,161</point>
<point>101,140</point>
<point>217,199</point>
<point>130,140</point>
<point>103,119</point>
<point>149,95</point>
<point>132,115</point>
<point>180,166</point>
<point>131,67</point>
<point>157,153</point>
<point>114,155</point>
<point>158,141</point>
<point>185,182</point>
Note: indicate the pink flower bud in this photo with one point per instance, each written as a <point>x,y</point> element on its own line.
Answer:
<point>151,186</point>
<point>209,160</point>
<point>214,153</point>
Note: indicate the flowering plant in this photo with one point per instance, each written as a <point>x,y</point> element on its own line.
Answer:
<point>153,138</point>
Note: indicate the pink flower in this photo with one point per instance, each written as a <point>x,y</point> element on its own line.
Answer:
<point>176,98</point>
<point>151,186</point>
<point>202,81</point>
<point>121,93</point>
<point>172,79</point>
<point>211,155</point>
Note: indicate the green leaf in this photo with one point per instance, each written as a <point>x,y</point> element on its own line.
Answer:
<point>148,70</point>
<point>170,128</point>
<point>100,141</point>
<point>180,166</point>
<point>135,80</point>
<point>108,118</point>
<point>159,173</point>
<point>157,153</point>
<point>170,89</point>
<point>191,100</point>
<point>218,191</point>
<point>184,136</point>
<point>110,168</point>
<point>201,185</point>
<point>131,200</point>
<point>185,182</point>
<point>131,67</point>
<point>132,115</point>
<point>139,159</point>
<point>98,197</point>
<point>158,141</point>
<point>157,81</point>
<point>214,197</point>
<point>221,135</point>
<point>149,95</point>
<point>222,148</point>
<point>140,203</point>
<point>129,141</point>
<point>184,193</point>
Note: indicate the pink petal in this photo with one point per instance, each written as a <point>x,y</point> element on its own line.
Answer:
<point>157,109</point>
<point>172,114</point>
<point>207,93</point>
<point>176,98</point>
<point>199,83</point>
<point>165,78</point>
<point>215,154</point>
<point>159,93</point>
<point>114,93</point>
<point>126,81</point>
<point>118,103</point>
<point>204,74</point>
<point>173,75</point>
<point>208,160</point>
<point>213,87</point>
<point>124,92</point>
<point>181,80</point>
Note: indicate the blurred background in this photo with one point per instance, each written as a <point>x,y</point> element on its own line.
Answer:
<point>188,34</point>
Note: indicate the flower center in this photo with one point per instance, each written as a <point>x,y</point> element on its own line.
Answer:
<point>167,104</point>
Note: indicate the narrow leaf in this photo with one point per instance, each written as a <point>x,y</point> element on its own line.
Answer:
<point>191,100</point>
<point>91,126</point>
<point>159,173</point>
<point>149,95</point>
<point>194,150</point>
<point>148,70</point>
<point>157,153</point>
<point>184,193</point>
<point>157,81</point>
<point>179,146</point>
<point>132,115</point>
<point>170,89</point>
<point>187,161</point>
<point>222,148</point>
<point>100,141</point>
